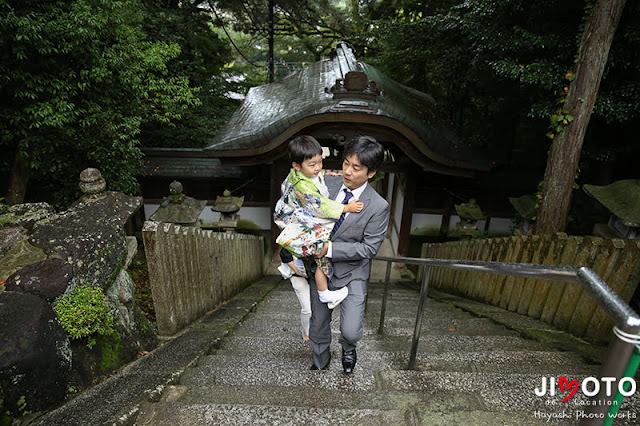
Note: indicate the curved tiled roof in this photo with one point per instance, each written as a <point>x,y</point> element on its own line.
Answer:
<point>273,113</point>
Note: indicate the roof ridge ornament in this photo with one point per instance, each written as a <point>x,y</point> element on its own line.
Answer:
<point>354,85</point>
<point>351,80</point>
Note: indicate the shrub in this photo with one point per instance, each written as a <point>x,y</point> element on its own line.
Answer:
<point>84,312</point>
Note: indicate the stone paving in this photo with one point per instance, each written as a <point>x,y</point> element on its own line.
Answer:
<point>246,364</point>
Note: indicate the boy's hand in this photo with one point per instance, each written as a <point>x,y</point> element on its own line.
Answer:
<point>332,173</point>
<point>296,270</point>
<point>354,206</point>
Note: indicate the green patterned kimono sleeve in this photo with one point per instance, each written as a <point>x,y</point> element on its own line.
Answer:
<point>329,209</point>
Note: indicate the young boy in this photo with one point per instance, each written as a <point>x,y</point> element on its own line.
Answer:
<point>306,215</point>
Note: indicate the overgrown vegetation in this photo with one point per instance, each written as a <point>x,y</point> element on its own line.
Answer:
<point>81,80</point>
<point>140,275</point>
<point>84,313</point>
<point>86,83</point>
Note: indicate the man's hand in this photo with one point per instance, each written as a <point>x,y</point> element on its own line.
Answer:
<point>322,252</point>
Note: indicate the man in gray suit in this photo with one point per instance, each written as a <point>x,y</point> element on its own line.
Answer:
<point>356,239</point>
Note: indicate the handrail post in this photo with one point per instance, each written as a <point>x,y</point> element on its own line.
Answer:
<point>383,310</point>
<point>416,331</point>
<point>614,365</point>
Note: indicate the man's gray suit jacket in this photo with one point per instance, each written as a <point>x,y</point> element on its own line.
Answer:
<point>359,237</point>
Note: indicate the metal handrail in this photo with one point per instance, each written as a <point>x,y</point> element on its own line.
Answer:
<point>626,319</point>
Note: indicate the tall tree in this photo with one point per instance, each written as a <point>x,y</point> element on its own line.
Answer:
<point>573,118</point>
<point>495,68</point>
<point>203,60</point>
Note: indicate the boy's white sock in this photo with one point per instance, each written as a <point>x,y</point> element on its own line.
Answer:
<point>326,296</point>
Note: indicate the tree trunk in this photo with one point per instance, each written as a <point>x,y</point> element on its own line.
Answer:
<point>18,180</point>
<point>564,155</point>
<point>271,51</point>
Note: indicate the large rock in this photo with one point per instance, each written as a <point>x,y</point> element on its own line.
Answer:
<point>26,215</point>
<point>19,255</point>
<point>35,356</point>
<point>90,236</point>
<point>47,279</point>
<point>9,236</point>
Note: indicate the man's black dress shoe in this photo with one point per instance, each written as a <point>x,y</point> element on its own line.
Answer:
<point>349,360</point>
<point>326,367</point>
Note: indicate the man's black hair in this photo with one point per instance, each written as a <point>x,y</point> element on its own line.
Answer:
<point>304,147</point>
<point>370,152</point>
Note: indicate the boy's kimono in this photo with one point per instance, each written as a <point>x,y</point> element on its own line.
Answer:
<point>305,214</point>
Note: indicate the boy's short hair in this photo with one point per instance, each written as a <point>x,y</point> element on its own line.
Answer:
<point>304,147</point>
<point>369,151</point>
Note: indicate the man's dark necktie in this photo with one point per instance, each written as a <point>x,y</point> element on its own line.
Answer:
<point>347,196</point>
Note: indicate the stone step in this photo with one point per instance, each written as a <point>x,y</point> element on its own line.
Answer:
<point>469,371</point>
<point>286,308</point>
<point>297,405</point>
<point>433,344</point>
<point>493,391</point>
<point>548,363</point>
<point>393,326</point>
<point>178,414</point>
<point>515,391</point>
<point>235,414</point>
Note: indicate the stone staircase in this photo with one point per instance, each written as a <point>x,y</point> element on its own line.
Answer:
<point>470,371</point>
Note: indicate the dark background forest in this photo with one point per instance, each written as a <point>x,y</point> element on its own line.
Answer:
<point>87,83</point>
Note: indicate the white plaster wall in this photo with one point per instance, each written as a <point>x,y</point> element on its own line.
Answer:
<point>392,178</point>
<point>453,220</point>
<point>261,216</point>
<point>423,220</point>
<point>397,214</point>
<point>397,218</point>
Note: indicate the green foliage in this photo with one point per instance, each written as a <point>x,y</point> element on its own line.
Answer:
<point>84,312</point>
<point>143,297</point>
<point>304,32</point>
<point>496,66</point>
<point>203,60</point>
<point>22,406</point>
<point>78,81</point>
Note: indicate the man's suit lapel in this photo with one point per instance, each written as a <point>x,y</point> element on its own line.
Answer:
<point>334,183</point>
<point>365,198</point>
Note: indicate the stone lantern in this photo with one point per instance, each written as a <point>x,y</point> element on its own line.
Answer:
<point>178,208</point>
<point>228,207</point>
<point>622,199</point>
<point>470,213</point>
<point>525,205</point>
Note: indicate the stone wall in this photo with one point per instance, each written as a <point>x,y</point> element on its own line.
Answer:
<point>193,270</point>
<point>564,305</point>
<point>44,255</point>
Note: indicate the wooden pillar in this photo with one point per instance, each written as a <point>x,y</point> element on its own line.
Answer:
<point>407,213</point>
<point>487,223</point>
<point>446,217</point>
<point>279,171</point>
<point>392,204</point>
